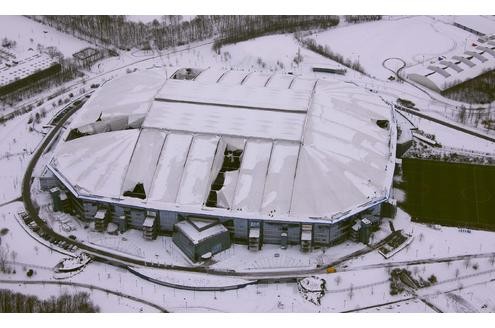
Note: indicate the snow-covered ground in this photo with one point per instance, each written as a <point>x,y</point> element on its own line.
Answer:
<point>452,138</point>
<point>17,144</point>
<point>414,39</point>
<point>29,33</point>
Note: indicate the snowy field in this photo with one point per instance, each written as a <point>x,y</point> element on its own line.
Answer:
<point>254,55</point>
<point>452,138</point>
<point>28,34</point>
<point>414,39</point>
<point>15,151</point>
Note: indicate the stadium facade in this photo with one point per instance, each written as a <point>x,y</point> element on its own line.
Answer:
<point>271,158</point>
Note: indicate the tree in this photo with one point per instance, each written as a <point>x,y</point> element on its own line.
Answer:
<point>3,260</point>
<point>13,255</point>
<point>351,292</point>
<point>338,280</point>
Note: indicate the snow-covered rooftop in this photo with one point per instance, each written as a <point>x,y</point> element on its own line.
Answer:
<point>15,66</point>
<point>196,235</point>
<point>478,23</point>
<point>295,149</point>
<point>444,73</point>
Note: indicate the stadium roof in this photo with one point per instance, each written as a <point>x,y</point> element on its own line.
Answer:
<point>285,149</point>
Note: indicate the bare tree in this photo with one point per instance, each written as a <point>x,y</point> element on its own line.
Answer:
<point>351,292</point>
<point>13,255</point>
<point>3,259</point>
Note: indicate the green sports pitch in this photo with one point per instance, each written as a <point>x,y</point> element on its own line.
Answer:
<point>451,194</point>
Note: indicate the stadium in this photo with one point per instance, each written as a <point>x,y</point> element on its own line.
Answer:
<point>219,156</point>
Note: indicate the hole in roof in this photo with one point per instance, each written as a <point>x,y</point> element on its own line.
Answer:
<point>137,192</point>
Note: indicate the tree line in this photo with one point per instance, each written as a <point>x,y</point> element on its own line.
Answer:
<point>325,51</point>
<point>354,19</point>
<point>240,28</point>
<point>11,302</point>
<point>171,31</point>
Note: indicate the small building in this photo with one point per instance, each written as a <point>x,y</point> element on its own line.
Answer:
<point>361,231</point>
<point>365,232</point>
<point>122,223</point>
<point>55,194</point>
<point>150,226</point>
<point>254,242</point>
<point>65,202</point>
<point>101,220</point>
<point>306,237</point>
<point>444,73</point>
<point>48,180</point>
<point>331,70</point>
<point>201,238</point>
<point>87,56</point>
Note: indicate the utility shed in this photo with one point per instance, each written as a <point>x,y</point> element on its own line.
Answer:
<point>198,237</point>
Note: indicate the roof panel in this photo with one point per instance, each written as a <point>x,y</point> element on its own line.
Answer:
<point>135,93</point>
<point>97,164</point>
<point>221,120</point>
<point>256,79</point>
<point>144,160</point>
<point>235,95</point>
<point>233,77</point>
<point>195,178</point>
<point>280,82</point>
<point>280,179</point>
<point>210,75</point>
<point>252,174</point>
<point>303,84</point>
<point>170,167</point>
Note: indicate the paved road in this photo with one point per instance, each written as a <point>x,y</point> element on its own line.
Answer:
<point>418,262</point>
<point>11,201</point>
<point>91,287</point>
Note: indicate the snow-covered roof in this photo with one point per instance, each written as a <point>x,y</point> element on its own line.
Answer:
<point>195,235</point>
<point>149,222</point>
<point>14,66</point>
<point>445,73</point>
<point>227,149</point>
<point>480,24</point>
<point>100,214</point>
<point>186,91</point>
<point>237,121</point>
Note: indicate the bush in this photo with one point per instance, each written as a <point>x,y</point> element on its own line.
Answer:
<point>432,279</point>
<point>29,273</point>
